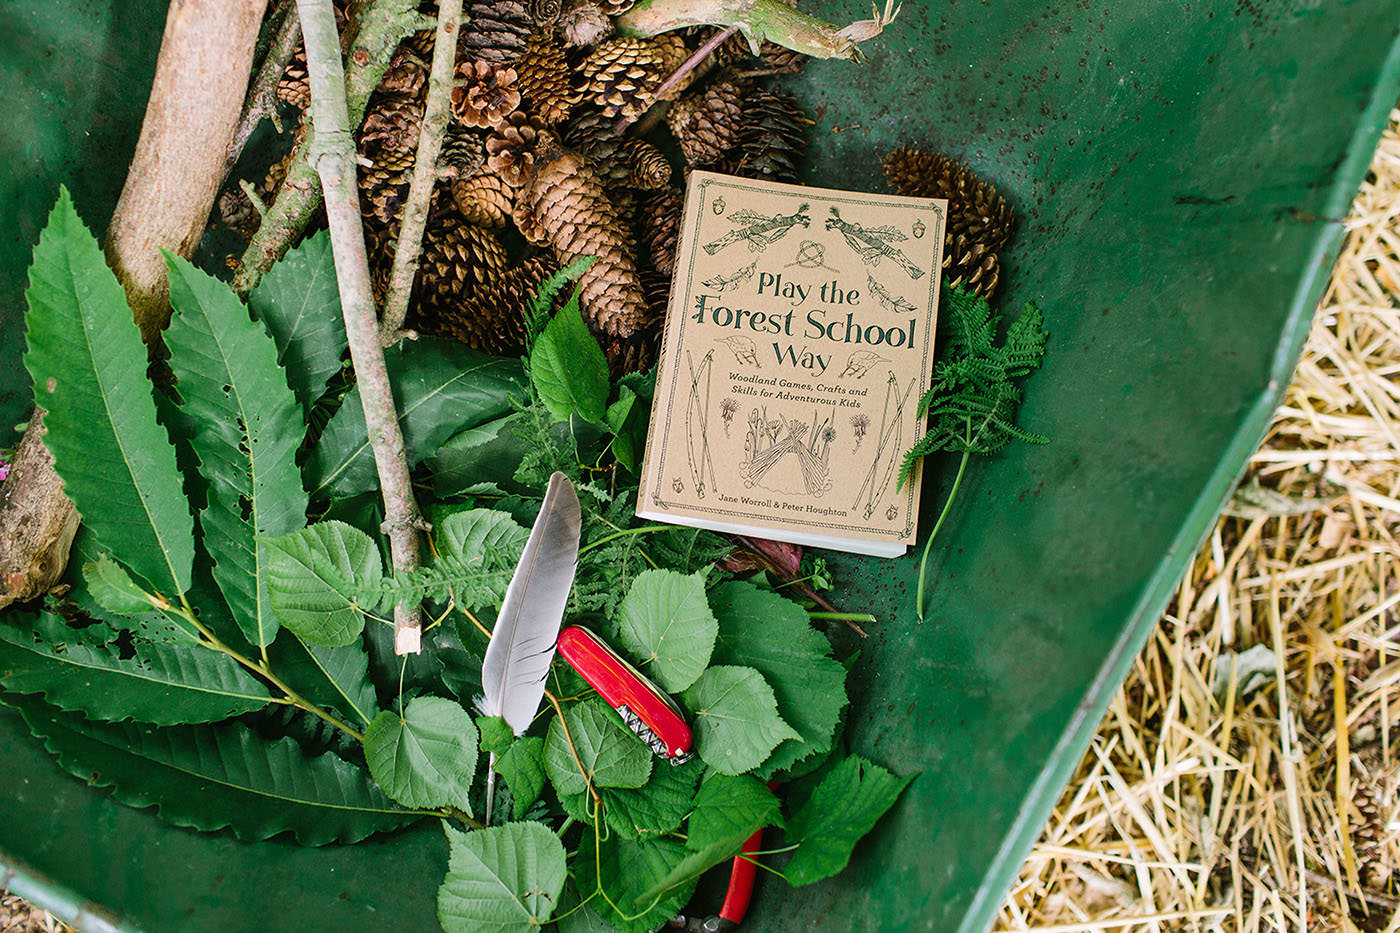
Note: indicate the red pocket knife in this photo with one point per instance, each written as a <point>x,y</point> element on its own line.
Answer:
<point>641,704</point>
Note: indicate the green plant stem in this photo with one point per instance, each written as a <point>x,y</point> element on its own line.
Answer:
<point>212,641</point>
<point>844,616</point>
<point>947,506</point>
<point>644,530</point>
<point>760,20</point>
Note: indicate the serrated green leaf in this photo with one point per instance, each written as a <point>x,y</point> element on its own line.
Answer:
<point>624,423</point>
<point>217,777</point>
<point>88,364</point>
<point>665,621</point>
<point>502,878</point>
<point>163,684</point>
<point>425,758</point>
<point>299,301</point>
<point>441,387</point>
<point>320,577</point>
<point>247,429</point>
<point>113,589</point>
<point>729,809</point>
<point>736,719</point>
<point>335,678</point>
<point>657,807</point>
<point>149,625</point>
<point>496,736</point>
<point>568,368</point>
<point>612,756</point>
<point>847,803</point>
<point>522,766</point>
<point>474,533</point>
<point>629,870</point>
<point>686,872</point>
<point>771,634</point>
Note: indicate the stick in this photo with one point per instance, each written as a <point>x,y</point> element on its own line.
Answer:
<point>333,155</point>
<point>381,27</point>
<point>760,20</point>
<point>262,95</point>
<point>206,54</point>
<point>420,190</point>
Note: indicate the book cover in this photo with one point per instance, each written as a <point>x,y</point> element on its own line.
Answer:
<point>798,341</point>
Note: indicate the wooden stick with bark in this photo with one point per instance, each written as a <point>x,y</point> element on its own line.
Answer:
<point>436,111</point>
<point>333,157</point>
<point>206,55</point>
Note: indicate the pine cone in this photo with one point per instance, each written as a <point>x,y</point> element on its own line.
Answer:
<point>621,76</point>
<point>544,78</point>
<point>237,212</point>
<point>463,152</point>
<point>647,168</point>
<point>583,24</point>
<point>772,58</point>
<point>546,12</point>
<point>484,199</point>
<point>496,31</point>
<point>492,318</point>
<point>638,351</point>
<point>707,124</point>
<point>392,123</point>
<point>484,95</point>
<point>458,257</point>
<point>406,74</point>
<point>615,7</point>
<point>294,87</point>
<point>970,264</point>
<point>566,206</point>
<point>774,138</point>
<point>510,151</point>
<point>384,186</point>
<point>975,209</point>
<point>661,223</point>
<point>621,161</point>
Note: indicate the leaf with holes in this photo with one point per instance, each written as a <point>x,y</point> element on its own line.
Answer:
<point>114,590</point>
<point>247,428</point>
<point>425,758</point>
<point>89,368</point>
<point>163,684</point>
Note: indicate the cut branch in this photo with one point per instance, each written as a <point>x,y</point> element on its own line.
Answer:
<point>262,95</point>
<point>206,54</point>
<point>378,30</point>
<point>420,190</point>
<point>333,155</point>
<point>759,21</point>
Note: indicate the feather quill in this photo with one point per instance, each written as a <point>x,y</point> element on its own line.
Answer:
<point>522,643</point>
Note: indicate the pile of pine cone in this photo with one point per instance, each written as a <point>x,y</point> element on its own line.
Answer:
<point>556,150</point>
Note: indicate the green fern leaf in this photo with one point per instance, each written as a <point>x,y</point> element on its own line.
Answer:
<point>160,683</point>
<point>89,369</point>
<point>217,777</point>
<point>247,428</point>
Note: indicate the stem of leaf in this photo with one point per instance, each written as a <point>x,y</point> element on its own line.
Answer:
<point>845,617</point>
<point>564,724</point>
<point>947,506</point>
<point>644,530</point>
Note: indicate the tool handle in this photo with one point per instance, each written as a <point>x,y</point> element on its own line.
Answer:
<point>741,877</point>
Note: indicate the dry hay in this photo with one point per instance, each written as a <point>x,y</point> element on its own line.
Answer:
<point>1209,800</point>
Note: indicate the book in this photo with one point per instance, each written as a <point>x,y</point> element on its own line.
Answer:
<point>798,341</point>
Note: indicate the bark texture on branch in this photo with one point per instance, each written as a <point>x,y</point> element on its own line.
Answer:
<point>333,156</point>
<point>436,112</point>
<point>206,54</point>
<point>378,30</point>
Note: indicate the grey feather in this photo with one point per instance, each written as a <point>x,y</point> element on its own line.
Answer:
<point>522,643</point>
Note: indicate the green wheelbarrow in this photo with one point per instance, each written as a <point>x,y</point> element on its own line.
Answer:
<point>1180,171</point>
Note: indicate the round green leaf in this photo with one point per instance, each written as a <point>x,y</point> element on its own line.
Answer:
<point>666,621</point>
<point>319,577</point>
<point>612,756</point>
<point>736,719</point>
<point>503,878</point>
<point>425,758</point>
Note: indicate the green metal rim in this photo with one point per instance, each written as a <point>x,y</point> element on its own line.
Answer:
<point>1200,520</point>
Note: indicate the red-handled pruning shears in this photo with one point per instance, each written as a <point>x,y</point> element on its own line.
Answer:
<point>736,899</point>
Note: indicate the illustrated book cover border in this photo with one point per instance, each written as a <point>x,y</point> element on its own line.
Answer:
<point>799,339</point>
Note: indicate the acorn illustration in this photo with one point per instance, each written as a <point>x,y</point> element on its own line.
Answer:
<point>718,205</point>
<point>919,229</point>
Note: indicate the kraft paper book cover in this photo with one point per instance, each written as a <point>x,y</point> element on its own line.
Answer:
<point>798,341</point>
